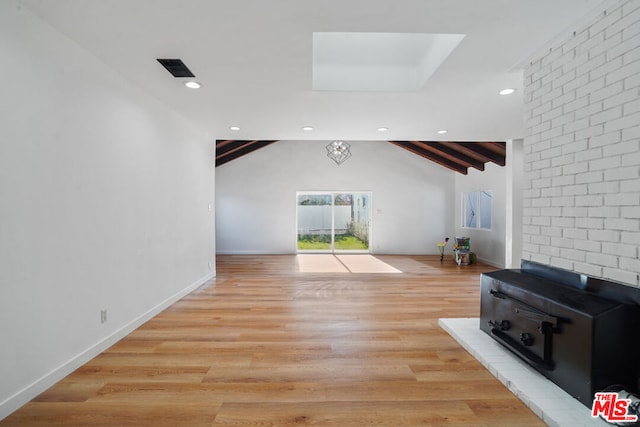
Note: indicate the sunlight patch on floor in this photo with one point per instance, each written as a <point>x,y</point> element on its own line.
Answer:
<point>366,264</point>
<point>408,265</point>
<point>328,263</point>
<point>320,263</point>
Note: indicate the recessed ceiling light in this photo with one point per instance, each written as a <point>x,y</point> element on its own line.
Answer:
<point>307,128</point>
<point>192,85</point>
<point>234,127</point>
<point>507,91</point>
<point>442,132</point>
<point>383,129</point>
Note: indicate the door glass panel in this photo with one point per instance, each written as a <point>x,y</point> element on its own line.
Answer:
<point>351,222</point>
<point>314,222</point>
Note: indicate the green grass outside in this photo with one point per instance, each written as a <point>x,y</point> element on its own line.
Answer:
<point>315,242</point>
<point>348,241</point>
<point>323,242</point>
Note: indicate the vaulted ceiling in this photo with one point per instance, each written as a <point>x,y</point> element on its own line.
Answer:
<point>258,60</point>
<point>457,156</point>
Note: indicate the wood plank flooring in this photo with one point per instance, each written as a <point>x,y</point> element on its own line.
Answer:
<point>268,345</point>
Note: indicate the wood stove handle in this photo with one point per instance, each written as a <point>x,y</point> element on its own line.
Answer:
<point>527,310</point>
<point>522,352</point>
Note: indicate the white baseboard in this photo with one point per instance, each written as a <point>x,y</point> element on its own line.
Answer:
<point>251,252</point>
<point>492,263</point>
<point>31,391</point>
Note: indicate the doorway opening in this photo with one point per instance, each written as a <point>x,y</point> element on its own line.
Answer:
<point>333,221</point>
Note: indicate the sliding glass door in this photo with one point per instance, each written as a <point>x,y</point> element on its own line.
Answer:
<point>333,221</point>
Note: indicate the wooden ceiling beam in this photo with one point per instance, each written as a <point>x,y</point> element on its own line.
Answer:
<point>235,149</point>
<point>429,155</point>
<point>458,147</point>
<point>222,143</point>
<point>496,147</point>
<point>229,147</point>
<point>492,150</point>
<point>453,155</point>
<point>458,156</point>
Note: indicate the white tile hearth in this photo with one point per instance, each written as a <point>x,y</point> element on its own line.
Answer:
<point>552,404</point>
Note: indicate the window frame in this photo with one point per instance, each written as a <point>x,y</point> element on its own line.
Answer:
<point>472,198</point>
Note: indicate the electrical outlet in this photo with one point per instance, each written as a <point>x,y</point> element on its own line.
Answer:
<point>103,316</point>
<point>210,265</point>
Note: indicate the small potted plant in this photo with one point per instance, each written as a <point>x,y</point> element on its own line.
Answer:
<point>441,246</point>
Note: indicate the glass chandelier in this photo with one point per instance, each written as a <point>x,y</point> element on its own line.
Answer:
<point>338,151</point>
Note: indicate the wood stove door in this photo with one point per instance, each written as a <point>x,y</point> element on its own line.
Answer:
<point>525,330</point>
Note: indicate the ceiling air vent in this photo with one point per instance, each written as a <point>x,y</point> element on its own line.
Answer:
<point>176,67</point>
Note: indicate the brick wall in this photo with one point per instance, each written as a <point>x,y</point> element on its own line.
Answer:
<point>582,149</point>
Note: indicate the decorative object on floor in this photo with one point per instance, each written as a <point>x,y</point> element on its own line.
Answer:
<point>338,151</point>
<point>462,251</point>
<point>441,246</point>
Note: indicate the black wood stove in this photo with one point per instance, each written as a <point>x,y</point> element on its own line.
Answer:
<point>580,332</point>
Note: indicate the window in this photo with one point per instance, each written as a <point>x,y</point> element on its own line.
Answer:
<point>477,209</point>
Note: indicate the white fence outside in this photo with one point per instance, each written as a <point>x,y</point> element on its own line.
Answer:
<point>317,219</point>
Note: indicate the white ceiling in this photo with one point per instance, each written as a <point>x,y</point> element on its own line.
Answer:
<point>254,60</point>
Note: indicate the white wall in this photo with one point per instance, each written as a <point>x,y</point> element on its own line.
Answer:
<point>103,205</point>
<point>582,149</point>
<point>497,246</point>
<point>514,203</point>
<point>412,200</point>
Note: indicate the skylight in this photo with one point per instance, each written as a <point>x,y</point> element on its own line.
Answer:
<point>378,61</point>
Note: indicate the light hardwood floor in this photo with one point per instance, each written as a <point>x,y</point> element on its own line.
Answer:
<point>268,345</point>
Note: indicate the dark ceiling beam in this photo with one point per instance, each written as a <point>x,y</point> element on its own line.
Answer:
<point>495,151</point>
<point>421,151</point>
<point>496,147</point>
<point>458,156</point>
<point>222,143</point>
<point>226,148</point>
<point>458,147</point>
<point>233,149</point>
<point>453,155</point>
